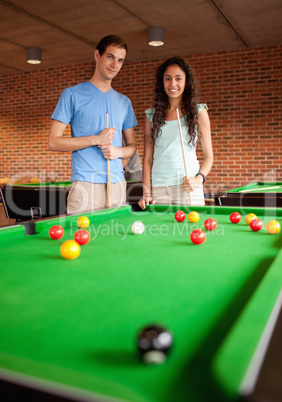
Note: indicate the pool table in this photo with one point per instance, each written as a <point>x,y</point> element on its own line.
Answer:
<point>259,194</point>
<point>41,200</point>
<point>68,328</point>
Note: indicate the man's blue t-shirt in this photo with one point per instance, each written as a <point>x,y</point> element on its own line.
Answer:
<point>85,107</point>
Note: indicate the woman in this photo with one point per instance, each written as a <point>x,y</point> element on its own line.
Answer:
<point>164,180</point>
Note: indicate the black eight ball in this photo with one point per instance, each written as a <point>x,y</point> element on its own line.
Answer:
<point>154,343</point>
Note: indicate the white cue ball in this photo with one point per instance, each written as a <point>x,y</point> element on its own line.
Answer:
<point>137,227</point>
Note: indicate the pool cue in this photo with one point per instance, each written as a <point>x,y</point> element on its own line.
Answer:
<point>183,153</point>
<point>109,188</point>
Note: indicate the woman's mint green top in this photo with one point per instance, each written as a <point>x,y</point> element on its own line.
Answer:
<point>168,166</point>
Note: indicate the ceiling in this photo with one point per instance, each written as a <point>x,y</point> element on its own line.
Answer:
<point>67,31</point>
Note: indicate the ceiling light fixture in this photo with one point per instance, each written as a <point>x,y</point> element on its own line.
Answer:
<point>156,36</point>
<point>33,55</point>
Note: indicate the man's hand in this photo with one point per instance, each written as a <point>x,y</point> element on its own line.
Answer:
<point>106,136</point>
<point>110,152</point>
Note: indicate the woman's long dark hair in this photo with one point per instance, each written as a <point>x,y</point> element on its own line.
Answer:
<point>188,104</point>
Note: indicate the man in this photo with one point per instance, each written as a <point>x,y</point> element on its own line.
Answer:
<point>99,116</point>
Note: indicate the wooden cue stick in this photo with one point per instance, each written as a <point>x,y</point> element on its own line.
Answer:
<point>183,152</point>
<point>109,188</point>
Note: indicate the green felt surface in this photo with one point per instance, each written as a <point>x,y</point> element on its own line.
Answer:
<point>75,322</point>
<point>260,187</point>
<point>48,184</point>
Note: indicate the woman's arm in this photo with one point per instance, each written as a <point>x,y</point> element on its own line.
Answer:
<point>192,183</point>
<point>206,141</point>
<point>147,166</point>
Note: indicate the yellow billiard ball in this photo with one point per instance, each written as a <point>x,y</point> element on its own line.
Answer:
<point>70,250</point>
<point>249,218</point>
<point>83,222</point>
<point>273,227</point>
<point>193,216</point>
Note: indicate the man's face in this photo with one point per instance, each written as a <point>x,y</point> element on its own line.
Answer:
<point>110,63</point>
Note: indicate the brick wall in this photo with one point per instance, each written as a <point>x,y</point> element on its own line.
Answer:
<point>242,89</point>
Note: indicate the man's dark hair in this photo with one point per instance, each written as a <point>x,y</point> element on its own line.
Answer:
<point>110,40</point>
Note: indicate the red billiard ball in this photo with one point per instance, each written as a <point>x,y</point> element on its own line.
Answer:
<point>256,225</point>
<point>82,237</point>
<point>235,217</point>
<point>198,236</point>
<point>56,232</point>
<point>179,216</point>
<point>210,224</point>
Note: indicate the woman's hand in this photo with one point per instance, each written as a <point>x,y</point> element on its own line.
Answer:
<point>146,200</point>
<point>191,183</point>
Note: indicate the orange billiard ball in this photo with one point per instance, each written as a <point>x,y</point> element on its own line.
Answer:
<point>273,227</point>
<point>56,232</point>
<point>249,218</point>
<point>198,236</point>
<point>83,222</point>
<point>70,250</point>
<point>193,216</point>
<point>82,237</point>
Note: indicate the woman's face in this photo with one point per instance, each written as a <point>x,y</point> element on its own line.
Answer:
<point>174,81</point>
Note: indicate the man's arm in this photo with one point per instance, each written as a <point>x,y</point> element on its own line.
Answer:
<point>131,148</point>
<point>57,142</point>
